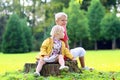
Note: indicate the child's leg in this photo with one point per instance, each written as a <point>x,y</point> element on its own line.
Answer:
<point>40,65</point>
<point>61,60</point>
<point>82,62</point>
<point>79,52</point>
<point>62,63</point>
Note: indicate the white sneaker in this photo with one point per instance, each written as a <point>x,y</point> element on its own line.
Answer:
<point>87,68</point>
<point>36,74</point>
<point>64,68</point>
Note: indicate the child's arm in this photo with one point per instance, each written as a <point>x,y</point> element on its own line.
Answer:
<point>43,49</point>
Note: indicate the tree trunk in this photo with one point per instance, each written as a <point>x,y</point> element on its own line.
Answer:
<point>80,42</point>
<point>51,68</point>
<point>95,45</point>
<point>113,43</point>
<point>74,44</point>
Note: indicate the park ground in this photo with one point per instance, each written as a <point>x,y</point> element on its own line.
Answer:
<point>103,61</point>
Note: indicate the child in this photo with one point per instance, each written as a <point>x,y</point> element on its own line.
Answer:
<point>61,19</point>
<point>53,49</point>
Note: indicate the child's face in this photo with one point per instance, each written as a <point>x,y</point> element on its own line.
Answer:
<point>62,21</point>
<point>60,34</point>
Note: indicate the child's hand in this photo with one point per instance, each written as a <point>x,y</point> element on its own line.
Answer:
<point>74,59</point>
<point>46,56</point>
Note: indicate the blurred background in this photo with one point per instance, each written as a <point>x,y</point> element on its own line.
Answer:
<point>92,24</point>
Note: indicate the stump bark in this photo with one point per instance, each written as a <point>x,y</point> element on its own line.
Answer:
<point>51,68</point>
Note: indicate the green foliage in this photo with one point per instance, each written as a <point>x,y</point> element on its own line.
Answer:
<point>106,3</point>
<point>110,27</point>
<point>47,31</point>
<point>3,20</point>
<point>28,35</point>
<point>109,3</point>
<point>95,14</point>
<point>64,2</point>
<point>77,23</point>
<point>86,75</point>
<point>38,39</point>
<point>85,4</point>
<point>14,40</point>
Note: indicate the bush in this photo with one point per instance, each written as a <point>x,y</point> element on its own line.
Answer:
<point>28,35</point>
<point>14,40</point>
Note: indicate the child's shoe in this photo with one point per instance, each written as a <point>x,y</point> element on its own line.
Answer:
<point>87,68</point>
<point>36,74</point>
<point>66,68</point>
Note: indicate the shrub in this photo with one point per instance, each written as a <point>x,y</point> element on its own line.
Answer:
<point>28,35</point>
<point>13,39</point>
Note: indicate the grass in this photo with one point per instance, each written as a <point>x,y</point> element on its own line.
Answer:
<point>101,60</point>
<point>87,75</point>
<point>15,62</point>
<point>105,62</point>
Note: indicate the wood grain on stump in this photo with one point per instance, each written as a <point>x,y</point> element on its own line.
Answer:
<point>51,68</point>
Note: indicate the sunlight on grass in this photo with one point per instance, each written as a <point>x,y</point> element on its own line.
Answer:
<point>104,60</point>
<point>101,60</point>
<point>15,62</point>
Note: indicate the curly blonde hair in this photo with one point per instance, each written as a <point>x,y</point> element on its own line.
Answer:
<point>56,30</point>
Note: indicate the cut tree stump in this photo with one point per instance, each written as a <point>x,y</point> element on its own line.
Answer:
<point>51,68</point>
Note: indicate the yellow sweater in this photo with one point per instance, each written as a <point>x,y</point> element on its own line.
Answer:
<point>46,49</point>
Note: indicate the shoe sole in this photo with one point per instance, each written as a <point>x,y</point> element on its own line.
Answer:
<point>64,69</point>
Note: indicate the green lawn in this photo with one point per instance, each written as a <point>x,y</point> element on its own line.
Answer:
<point>14,62</point>
<point>104,60</point>
<point>101,60</point>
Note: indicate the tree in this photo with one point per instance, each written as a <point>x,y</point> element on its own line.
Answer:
<point>3,20</point>
<point>28,35</point>
<point>110,27</point>
<point>95,14</point>
<point>108,4</point>
<point>13,38</point>
<point>77,23</point>
<point>65,3</point>
<point>85,4</point>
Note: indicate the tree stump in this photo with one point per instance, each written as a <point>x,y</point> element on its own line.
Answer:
<point>51,68</point>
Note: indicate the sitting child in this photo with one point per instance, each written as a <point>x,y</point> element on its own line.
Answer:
<point>53,49</point>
